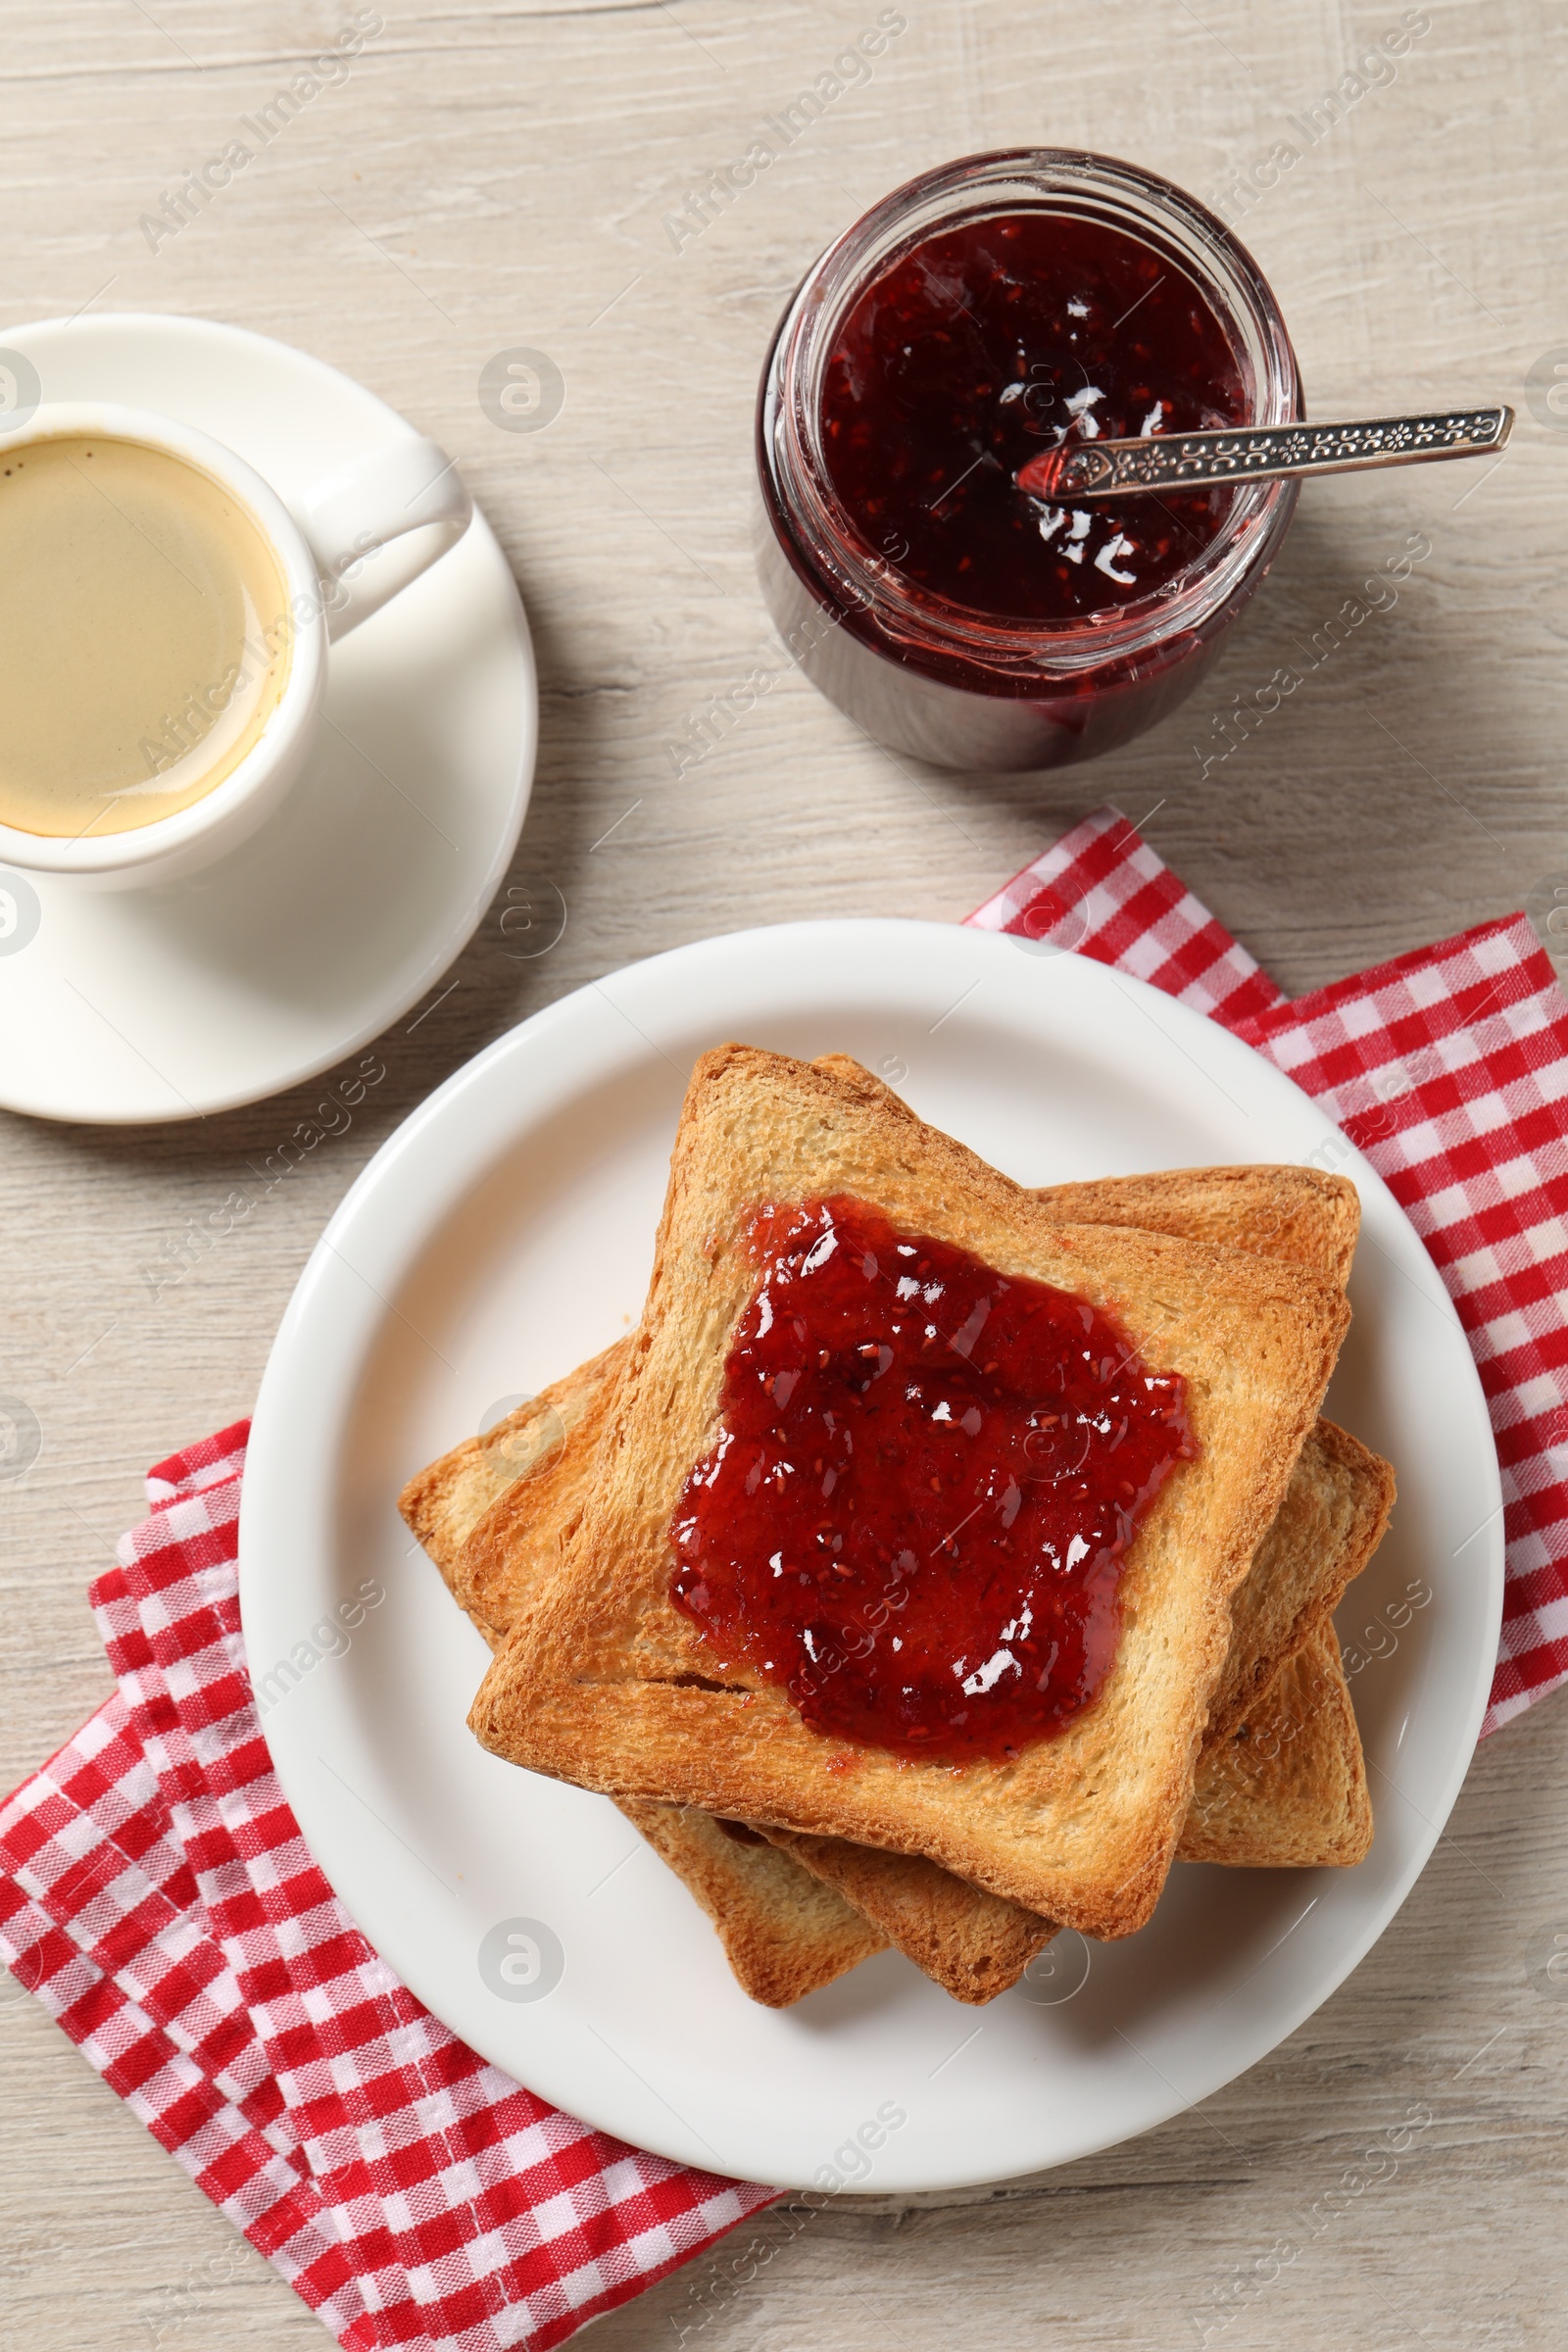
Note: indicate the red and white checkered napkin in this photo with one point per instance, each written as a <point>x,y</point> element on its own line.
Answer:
<point>155,1891</point>
<point>157,1895</point>
<point>1448,1067</point>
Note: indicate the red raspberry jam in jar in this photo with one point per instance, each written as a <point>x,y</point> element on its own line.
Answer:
<point>975,319</point>
<point>927,1476</point>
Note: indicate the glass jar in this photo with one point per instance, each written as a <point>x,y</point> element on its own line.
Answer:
<point>966,688</point>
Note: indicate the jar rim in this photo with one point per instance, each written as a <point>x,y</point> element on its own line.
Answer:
<point>1079,184</point>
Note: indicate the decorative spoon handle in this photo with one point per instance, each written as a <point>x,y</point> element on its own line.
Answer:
<point>1081,469</point>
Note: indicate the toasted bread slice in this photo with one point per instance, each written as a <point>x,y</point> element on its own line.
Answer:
<point>784,1930</point>
<point>606,1684</point>
<point>552,1488</point>
<point>1294,1215</point>
<point>972,1943</point>
<point>1332,1521</point>
<point>1287,1787</point>
<point>445,1502</point>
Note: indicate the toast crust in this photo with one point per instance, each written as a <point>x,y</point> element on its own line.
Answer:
<point>606,1685</point>
<point>1331,1522</point>
<point>1288,1788</point>
<point>484,1576</point>
<point>971,1944</point>
<point>1297,1217</point>
<point>445,1502</point>
<point>785,1931</point>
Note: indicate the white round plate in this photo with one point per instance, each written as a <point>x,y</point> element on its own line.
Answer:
<point>348,904</point>
<point>505,1232</point>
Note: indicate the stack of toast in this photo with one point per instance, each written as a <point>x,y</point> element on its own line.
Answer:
<point>1223,1731</point>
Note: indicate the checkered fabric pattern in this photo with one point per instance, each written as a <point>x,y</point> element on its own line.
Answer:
<point>1448,1067</point>
<point>155,1895</point>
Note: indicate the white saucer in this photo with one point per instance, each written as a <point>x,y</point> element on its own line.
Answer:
<point>340,913</point>
<point>504,1233</point>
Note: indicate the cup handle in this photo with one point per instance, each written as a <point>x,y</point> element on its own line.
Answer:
<point>378,522</point>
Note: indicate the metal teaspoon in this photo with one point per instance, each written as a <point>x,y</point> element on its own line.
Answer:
<point>1088,470</point>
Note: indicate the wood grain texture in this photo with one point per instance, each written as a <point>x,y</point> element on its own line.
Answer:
<point>488,177</point>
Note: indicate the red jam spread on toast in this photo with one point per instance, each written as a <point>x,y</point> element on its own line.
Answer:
<point>927,1476</point>
<point>995,343</point>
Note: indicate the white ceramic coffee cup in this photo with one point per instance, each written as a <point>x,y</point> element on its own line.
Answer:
<point>363,534</point>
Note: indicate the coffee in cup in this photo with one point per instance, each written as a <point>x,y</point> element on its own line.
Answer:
<point>145,634</point>
<point>165,621</point>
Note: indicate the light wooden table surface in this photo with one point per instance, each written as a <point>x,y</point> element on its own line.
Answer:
<point>492,176</point>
